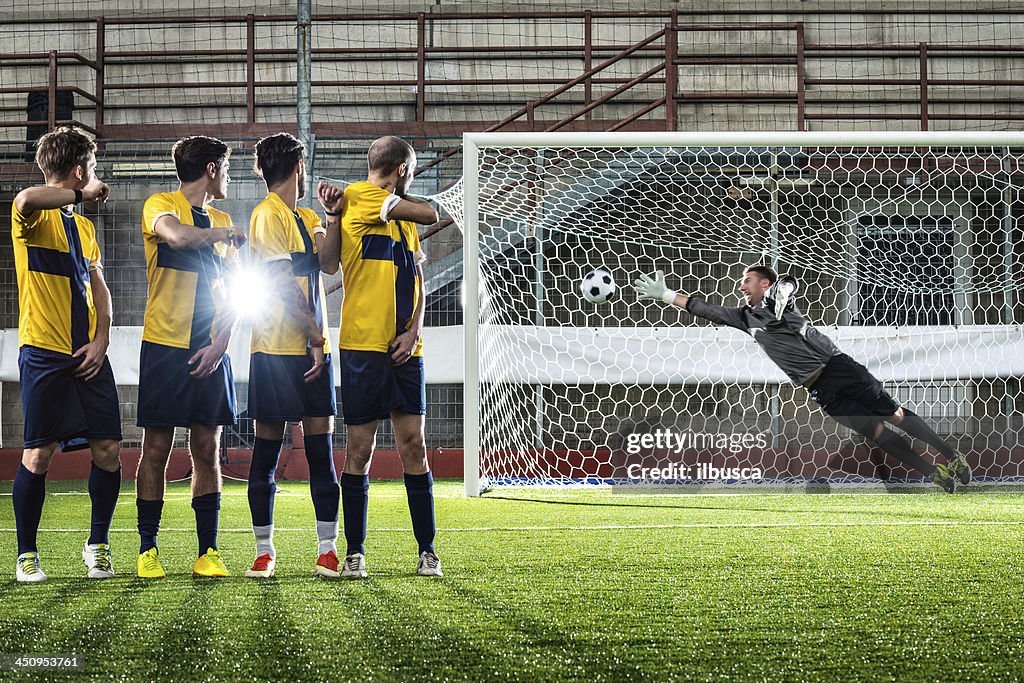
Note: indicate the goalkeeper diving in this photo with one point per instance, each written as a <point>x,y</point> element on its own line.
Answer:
<point>842,387</point>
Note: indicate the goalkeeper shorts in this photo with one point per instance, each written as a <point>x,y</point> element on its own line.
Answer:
<point>847,391</point>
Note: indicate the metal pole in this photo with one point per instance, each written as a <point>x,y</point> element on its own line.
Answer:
<point>250,68</point>
<point>303,91</point>
<point>923,48</point>
<point>1009,295</point>
<point>51,115</point>
<point>470,321</point>
<point>671,74</point>
<point>774,404</point>
<point>540,407</point>
<point>101,43</point>
<point>421,67</point>
<point>801,78</point>
<point>1009,286</point>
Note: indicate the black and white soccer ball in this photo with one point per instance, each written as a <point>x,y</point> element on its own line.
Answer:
<point>597,286</point>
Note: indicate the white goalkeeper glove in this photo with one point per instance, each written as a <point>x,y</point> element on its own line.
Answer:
<point>654,288</point>
<point>783,291</point>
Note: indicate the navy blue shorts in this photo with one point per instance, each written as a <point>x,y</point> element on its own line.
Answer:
<point>61,407</point>
<point>170,397</point>
<point>278,392</point>
<point>371,387</point>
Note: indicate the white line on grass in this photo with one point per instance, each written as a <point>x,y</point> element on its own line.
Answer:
<point>602,527</point>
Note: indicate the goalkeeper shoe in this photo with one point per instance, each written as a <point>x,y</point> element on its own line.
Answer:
<point>149,567</point>
<point>262,567</point>
<point>943,478</point>
<point>354,567</point>
<point>958,465</point>
<point>98,561</point>
<point>429,565</point>
<point>327,565</point>
<point>28,569</point>
<point>210,564</point>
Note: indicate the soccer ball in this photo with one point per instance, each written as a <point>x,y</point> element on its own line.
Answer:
<point>597,286</point>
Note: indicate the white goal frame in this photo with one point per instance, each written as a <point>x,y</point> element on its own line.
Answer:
<point>473,143</point>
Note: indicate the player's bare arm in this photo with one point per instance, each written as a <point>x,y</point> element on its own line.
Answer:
<point>413,209</point>
<point>180,236</point>
<point>328,246</point>
<point>44,197</point>
<point>402,347</point>
<point>95,351</point>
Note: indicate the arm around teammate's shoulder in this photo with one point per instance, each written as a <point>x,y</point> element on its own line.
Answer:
<point>413,209</point>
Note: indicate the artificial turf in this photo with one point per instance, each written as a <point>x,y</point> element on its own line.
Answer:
<point>538,585</point>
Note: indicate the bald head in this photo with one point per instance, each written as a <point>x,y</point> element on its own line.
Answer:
<point>387,154</point>
<point>392,164</point>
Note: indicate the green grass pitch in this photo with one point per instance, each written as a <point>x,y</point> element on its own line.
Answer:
<point>566,585</point>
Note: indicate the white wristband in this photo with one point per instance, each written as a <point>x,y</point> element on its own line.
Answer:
<point>669,297</point>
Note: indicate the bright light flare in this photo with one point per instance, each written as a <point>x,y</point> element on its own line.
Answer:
<point>247,292</point>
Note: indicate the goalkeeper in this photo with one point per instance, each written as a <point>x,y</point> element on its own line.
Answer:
<point>843,387</point>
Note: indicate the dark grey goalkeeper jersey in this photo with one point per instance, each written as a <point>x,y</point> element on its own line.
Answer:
<point>792,343</point>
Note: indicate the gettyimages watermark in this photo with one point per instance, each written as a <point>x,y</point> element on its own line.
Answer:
<point>667,441</point>
<point>811,453</point>
<point>687,454</point>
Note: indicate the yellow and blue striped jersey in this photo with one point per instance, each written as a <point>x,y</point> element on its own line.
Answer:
<point>378,263</point>
<point>186,286</point>
<point>276,233</point>
<point>54,250</point>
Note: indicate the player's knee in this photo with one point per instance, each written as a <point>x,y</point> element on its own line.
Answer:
<point>206,461</point>
<point>879,430</point>
<point>37,460</point>
<point>357,461</point>
<point>413,445</point>
<point>106,454</point>
<point>897,417</point>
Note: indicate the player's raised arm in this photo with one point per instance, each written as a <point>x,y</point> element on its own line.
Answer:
<point>653,287</point>
<point>180,236</point>
<point>414,209</point>
<point>43,197</point>
<point>328,245</point>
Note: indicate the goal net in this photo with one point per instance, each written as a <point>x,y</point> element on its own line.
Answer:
<point>906,247</point>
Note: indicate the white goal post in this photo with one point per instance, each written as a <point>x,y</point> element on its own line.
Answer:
<point>905,244</point>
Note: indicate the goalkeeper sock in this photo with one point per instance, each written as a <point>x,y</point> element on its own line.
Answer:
<point>355,499</point>
<point>898,447</point>
<point>916,427</point>
<point>419,489</point>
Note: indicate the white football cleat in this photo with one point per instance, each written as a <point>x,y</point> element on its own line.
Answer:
<point>429,565</point>
<point>28,569</point>
<point>98,561</point>
<point>354,567</point>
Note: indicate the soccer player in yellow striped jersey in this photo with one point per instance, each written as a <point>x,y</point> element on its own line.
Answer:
<point>380,352</point>
<point>185,377</point>
<point>67,385</point>
<point>290,373</point>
